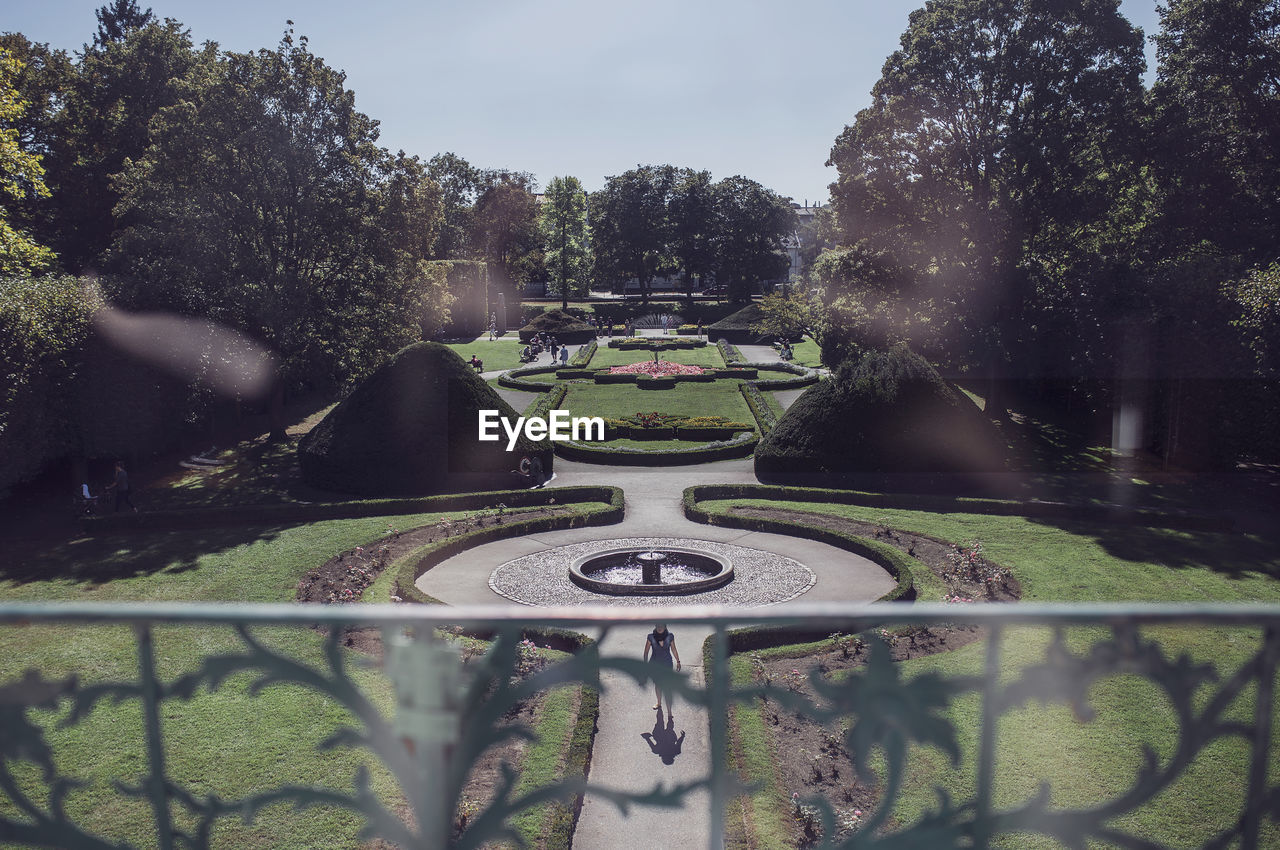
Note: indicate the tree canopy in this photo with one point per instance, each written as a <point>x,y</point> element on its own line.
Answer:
<point>564,229</point>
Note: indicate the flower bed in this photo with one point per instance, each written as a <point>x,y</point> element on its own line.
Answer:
<point>656,369</point>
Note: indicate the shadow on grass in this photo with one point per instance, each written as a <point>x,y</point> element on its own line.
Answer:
<point>99,560</point>
<point>1229,554</point>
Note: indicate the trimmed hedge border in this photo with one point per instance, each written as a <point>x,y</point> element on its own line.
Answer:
<point>511,379</point>
<point>803,377</point>
<point>548,402</point>
<point>742,372</point>
<point>760,409</point>
<point>583,357</point>
<point>702,454</point>
<point>1183,520</point>
<point>728,353</point>
<point>894,562</point>
<point>290,514</point>
<point>408,573</point>
<point>658,344</point>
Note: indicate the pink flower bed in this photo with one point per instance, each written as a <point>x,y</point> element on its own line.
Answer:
<point>658,369</point>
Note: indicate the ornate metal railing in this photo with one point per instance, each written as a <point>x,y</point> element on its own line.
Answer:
<point>446,714</point>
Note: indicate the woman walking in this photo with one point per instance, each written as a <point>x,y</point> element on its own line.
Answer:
<point>662,644</point>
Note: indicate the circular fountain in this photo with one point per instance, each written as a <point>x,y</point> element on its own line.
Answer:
<point>670,571</point>
<point>594,571</point>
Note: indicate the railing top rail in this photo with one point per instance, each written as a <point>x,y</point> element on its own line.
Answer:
<point>809,614</point>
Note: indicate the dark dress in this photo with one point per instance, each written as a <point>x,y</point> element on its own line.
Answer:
<point>660,645</point>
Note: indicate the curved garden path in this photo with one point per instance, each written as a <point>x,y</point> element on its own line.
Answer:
<point>621,757</point>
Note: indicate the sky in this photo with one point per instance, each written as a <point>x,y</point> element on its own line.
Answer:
<point>588,88</point>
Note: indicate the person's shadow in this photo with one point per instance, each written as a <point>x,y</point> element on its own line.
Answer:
<point>663,741</point>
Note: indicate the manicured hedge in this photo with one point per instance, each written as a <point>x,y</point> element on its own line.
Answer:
<point>596,453</point>
<point>1189,520</point>
<point>888,414</point>
<point>583,357</point>
<point>896,563</point>
<point>656,344</point>
<point>802,377</point>
<point>574,374</point>
<point>410,429</point>
<point>564,327</point>
<point>408,573</point>
<point>729,354</point>
<point>548,402</point>
<point>760,408</point>
<point>737,372</point>
<point>512,379</point>
<point>296,514</point>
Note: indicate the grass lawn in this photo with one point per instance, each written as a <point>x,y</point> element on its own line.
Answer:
<point>807,353</point>
<point>720,398</point>
<point>498,355</point>
<point>1095,761</point>
<point>708,356</point>
<point>217,742</point>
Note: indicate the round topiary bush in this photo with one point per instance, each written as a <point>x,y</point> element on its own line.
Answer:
<point>412,428</point>
<point>564,327</point>
<point>889,412</point>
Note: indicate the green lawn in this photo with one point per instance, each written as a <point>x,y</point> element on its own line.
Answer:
<point>807,353</point>
<point>1091,762</point>
<point>217,743</point>
<point>687,398</point>
<point>498,355</point>
<point>708,356</point>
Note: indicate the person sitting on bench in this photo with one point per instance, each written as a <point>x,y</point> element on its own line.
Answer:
<point>477,363</point>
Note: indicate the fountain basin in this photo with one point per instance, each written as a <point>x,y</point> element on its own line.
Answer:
<point>632,572</point>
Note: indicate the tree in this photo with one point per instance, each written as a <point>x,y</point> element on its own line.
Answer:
<point>504,225</point>
<point>460,185</point>
<point>629,225</point>
<point>263,202</point>
<point>564,229</point>
<point>750,225</point>
<point>135,67</point>
<point>21,177</point>
<point>1216,126</point>
<point>692,221</point>
<point>1001,135</point>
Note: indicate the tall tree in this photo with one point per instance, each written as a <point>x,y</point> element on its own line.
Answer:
<point>1216,126</point>
<point>460,185</point>
<point>629,228</point>
<point>505,225</point>
<point>751,224</point>
<point>21,176</point>
<point>135,67</point>
<point>691,214</point>
<point>999,134</point>
<point>264,202</point>
<point>564,229</point>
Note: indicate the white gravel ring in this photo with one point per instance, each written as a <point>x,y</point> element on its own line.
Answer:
<point>760,578</point>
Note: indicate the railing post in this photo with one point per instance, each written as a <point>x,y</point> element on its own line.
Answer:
<point>1254,806</point>
<point>987,742</point>
<point>155,781</point>
<point>718,715</point>
<point>425,674</point>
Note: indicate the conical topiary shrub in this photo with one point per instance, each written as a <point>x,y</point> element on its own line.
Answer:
<point>886,414</point>
<point>412,428</point>
<point>564,327</point>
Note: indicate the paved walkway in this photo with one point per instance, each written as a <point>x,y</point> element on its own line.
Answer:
<point>622,756</point>
<point>635,747</point>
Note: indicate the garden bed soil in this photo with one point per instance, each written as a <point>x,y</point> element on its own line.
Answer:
<point>810,759</point>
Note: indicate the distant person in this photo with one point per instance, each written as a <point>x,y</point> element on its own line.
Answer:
<point>662,645</point>
<point>477,363</point>
<point>564,355</point>
<point>121,486</point>
<point>699,327</point>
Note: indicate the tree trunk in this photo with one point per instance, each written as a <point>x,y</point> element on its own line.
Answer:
<point>275,412</point>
